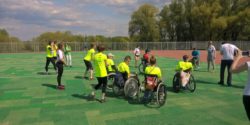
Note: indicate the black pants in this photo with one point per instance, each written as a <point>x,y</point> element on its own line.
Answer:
<point>223,65</point>
<point>102,81</point>
<point>246,102</point>
<point>60,72</point>
<point>48,60</point>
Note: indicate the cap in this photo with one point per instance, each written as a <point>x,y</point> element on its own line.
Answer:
<point>110,54</point>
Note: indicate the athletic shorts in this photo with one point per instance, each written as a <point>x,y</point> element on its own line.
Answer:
<point>88,65</point>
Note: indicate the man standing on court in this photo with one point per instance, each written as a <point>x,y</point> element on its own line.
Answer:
<point>227,51</point>
<point>211,55</point>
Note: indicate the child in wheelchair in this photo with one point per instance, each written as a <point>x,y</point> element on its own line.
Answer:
<point>152,78</point>
<point>123,72</point>
<point>111,68</point>
<point>184,69</point>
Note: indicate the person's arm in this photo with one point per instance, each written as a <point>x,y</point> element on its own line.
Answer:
<point>235,68</point>
<point>221,51</point>
<point>92,55</point>
<point>214,52</point>
<point>114,68</point>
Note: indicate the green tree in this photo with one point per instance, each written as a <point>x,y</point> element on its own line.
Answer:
<point>143,25</point>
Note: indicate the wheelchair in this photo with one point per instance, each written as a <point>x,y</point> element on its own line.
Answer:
<point>177,85</point>
<point>155,90</point>
<point>111,78</point>
<point>129,88</point>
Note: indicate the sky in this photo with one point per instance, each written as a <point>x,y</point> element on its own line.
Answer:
<point>27,19</point>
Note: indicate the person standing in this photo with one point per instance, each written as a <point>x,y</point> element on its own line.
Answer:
<point>100,63</point>
<point>211,55</point>
<point>67,52</point>
<point>137,55</point>
<point>59,63</point>
<point>227,51</point>
<point>55,50</point>
<point>196,58</point>
<point>87,60</point>
<point>236,68</point>
<point>49,57</point>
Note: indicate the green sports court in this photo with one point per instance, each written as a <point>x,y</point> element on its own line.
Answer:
<point>28,97</point>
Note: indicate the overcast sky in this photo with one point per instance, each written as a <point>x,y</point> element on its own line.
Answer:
<point>29,18</point>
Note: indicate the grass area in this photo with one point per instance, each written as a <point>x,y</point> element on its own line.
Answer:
<point>29,98</point>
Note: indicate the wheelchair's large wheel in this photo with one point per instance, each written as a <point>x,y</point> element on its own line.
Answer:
<point>131,87</point>
<point>191,86</point>
<point>117,89</point>
<point>141,68</point>
<point>161,94</point>
<point>176,83</point>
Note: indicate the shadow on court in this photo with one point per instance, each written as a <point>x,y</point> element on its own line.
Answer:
<point>50,85</point>
<point>85,97</point>
<point>44,73</point>
<point>79,77</point>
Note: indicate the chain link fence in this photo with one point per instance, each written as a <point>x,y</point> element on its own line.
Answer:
<point>80,46</point>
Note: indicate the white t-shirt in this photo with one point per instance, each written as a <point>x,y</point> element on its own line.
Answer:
<point>59,55</point>
<point>137,51</point>
<point>247,87</point>
<point>228,50</point>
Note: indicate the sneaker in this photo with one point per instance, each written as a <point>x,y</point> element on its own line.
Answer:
<point>229,84</point>
<point>91,78</point>
<point>61,87</point>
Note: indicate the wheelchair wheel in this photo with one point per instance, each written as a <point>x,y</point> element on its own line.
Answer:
<point>161,94</point>
<point>131,87</point>
<point>111,78</point>
<point>141,68</point>
<point>117,89</point>
<point>176,83</point>
<point>191,86</point>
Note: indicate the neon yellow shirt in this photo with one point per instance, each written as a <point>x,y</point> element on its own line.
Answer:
<point>123,68</point>
<point>110,63</point>
<point>54,50</point>
<point>100,66</point>
<point>49,51</point>
<point>153,70</point>
<point>88,57</point>
<point>184,65</point>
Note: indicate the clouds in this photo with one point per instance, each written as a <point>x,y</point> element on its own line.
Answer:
<point>28,18</point>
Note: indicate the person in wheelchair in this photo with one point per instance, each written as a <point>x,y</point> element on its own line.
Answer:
<point>152,77</point>
<point>196,58</point>
<point>111,68</point>
<point>123,71</point>
<point>184,69</point>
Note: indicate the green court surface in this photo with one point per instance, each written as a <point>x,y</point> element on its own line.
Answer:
<point>27,97</point>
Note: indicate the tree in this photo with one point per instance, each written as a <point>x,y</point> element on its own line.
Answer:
<point>143,25</point>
